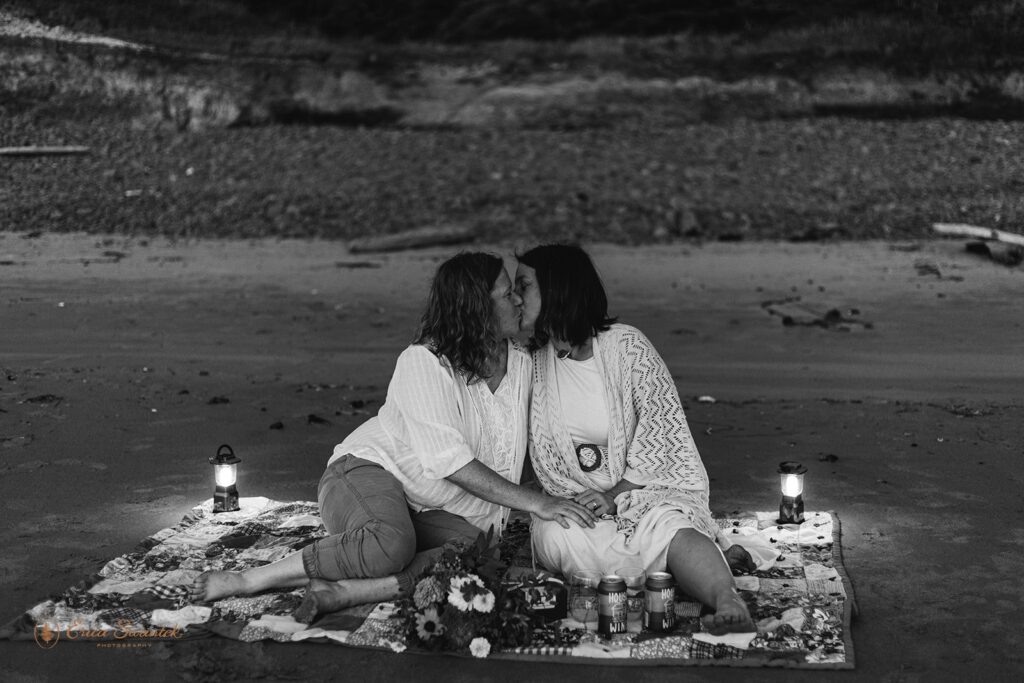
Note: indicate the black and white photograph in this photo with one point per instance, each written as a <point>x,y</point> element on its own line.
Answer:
<point>511,340</point>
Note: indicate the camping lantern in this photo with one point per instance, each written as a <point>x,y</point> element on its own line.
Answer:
<point>791,476</point>
<point>225,474</point>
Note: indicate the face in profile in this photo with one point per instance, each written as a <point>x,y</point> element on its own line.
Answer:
<point>507,306</point>
<point>529,293</point>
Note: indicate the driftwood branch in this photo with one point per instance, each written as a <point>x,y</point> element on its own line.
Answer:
<point>959,230</point>
<point>41,151</point>
<point>412,239</point>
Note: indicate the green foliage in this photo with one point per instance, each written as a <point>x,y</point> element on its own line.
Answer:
<point>910,36</point>
<point>477,20</point>
<point>481,557</point>
<point>127,16</point>
<point>506,623</point>
<point>481,20</point>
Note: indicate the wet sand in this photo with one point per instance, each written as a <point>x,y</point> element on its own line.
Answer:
<point>127,362</point>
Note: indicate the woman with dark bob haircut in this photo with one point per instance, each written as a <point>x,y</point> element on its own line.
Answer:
<point>607,429</point>
<point>440,462</point>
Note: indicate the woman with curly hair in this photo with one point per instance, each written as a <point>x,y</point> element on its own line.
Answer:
<point>440,462</point>
<point>607,429</point>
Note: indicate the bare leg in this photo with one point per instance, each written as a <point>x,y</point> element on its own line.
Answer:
<point>324,596</point>
<point>701,570</point>
<point>330,596</point>
<point>288,572</point>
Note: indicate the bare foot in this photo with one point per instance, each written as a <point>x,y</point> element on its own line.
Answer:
<point>730,616</point>
<point>214,585</point>
<point>322,597</point>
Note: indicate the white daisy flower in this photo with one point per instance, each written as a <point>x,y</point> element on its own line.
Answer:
<point>483,602</point>
<point>458,600</point>
<point>480,647</point>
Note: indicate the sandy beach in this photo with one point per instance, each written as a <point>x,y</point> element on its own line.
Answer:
<point>892,370</point>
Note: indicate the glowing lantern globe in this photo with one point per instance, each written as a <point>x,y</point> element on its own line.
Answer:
<point>225,474</point>
<point>791,476</point>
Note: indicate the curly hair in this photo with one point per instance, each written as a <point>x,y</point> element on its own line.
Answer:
<point>573,302</point>
<point>458,323</point>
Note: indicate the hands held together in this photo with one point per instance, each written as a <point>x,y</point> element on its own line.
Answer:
<point>585,509</point>
<point>601,502</point>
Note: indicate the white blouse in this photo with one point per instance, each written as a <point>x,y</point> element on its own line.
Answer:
<point>433,423</point>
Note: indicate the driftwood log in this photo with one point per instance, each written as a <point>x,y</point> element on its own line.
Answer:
<point>960,230</point>
<point>412,239</point>
<point>41,151</point>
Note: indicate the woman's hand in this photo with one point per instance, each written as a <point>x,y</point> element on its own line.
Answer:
<point>564,511</point>
<point>484,483</point>
<point>599,502</point>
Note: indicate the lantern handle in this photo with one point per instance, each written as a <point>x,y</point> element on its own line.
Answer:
<point>225,458</point>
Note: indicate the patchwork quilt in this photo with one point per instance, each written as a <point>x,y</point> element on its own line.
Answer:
<point>802,604</point>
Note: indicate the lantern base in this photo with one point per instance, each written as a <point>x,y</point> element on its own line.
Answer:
<point>791,510</point>
<point>225,499</point>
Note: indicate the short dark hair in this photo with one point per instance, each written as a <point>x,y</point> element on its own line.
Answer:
<point>458,323</point>
<point>573,303</point>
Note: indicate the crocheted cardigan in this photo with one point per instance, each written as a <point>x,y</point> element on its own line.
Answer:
<point>649,441</point>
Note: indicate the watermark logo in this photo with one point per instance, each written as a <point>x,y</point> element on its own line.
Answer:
<point>125,634</point>
<point>46,637</point>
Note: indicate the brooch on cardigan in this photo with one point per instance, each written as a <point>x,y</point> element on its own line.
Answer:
<point>590,456</point>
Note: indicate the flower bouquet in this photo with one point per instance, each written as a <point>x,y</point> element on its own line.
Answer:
<point>460,603</point>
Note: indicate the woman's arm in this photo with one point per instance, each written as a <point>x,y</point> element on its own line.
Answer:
<point>425,393</point>
<point>484,483</point>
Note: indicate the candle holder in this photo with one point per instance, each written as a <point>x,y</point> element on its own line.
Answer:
<point>791,479</point>
<point>225,474</point>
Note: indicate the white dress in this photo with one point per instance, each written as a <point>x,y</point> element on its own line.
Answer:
<point>582,399</point>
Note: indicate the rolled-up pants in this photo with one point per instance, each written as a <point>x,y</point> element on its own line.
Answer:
<point>373,531</point>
